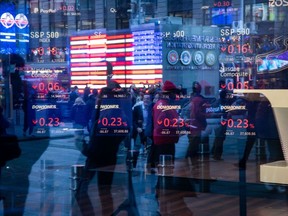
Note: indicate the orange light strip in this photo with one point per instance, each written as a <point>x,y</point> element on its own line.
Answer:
<point>100,73</point>
<point>77,38</point>
<point>79,73</point>
<point>73,47</point>
<point>95,46</point>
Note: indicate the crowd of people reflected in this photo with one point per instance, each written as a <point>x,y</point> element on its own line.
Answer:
<point>157,119</point>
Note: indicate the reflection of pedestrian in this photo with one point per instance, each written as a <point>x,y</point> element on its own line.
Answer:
<point>86,93</point>
<point>79,117</point>
<point>4,123</point>
<point>267,130</point>
<point>90,106</point>
<point>102,152</point>
<point>73,95</point>
<point>29,112</point>
<point>251,104</point>
<point>164,143</point>
<point>220,130</point>
<point>142,125</point>
<point>198,120</point>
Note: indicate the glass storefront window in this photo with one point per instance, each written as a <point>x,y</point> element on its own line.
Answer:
<point>219,68</point>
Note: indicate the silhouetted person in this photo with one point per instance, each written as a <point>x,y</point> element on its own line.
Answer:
<point>29,112</point>
<point>220,130</point>
<point>251,103</point>
<point>267,130</point>
<point>79,117</point>
<point>86,93</point>
<point>91,111</point>
<point>4,125</point>
<point>102,150</point>
<point>73,95</point>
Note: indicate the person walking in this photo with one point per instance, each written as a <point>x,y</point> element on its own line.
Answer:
<point>198,121</point>
<point>164,136</point>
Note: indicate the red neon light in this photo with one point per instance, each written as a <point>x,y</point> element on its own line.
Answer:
<point>111,46</point>
<point>76,47</point>
<point>122,63</point>
<point>119,54</point>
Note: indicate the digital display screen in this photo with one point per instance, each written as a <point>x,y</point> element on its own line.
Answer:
<point>115,116</point>
<point>273,63</point>
<point>222,15</point>
<point>14,30</point>
<point>135,57</point>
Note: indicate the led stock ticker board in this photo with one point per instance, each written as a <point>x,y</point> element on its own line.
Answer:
<point>136,58</point>
<point>115,116</point>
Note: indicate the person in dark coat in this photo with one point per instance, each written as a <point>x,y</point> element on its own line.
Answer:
<point>142,125</point>
<point>220,130</point>
<point>4,123</point>
<point>79,117</point>
<point>101,152</point>
<point>27,106</point>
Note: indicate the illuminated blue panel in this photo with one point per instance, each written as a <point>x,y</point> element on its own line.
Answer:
<point>147,47</point>
<point>14,30</point>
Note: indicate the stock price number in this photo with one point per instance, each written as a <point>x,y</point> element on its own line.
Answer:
<point>222,4</point>
<point>166,122</point>
<point>239,85</point>
<point>67,8</point>
<point>46,51</point>
<point>49,86</point>
<point>112,122</point>
<point>238,123</point>
<point>50,122</point>
<point>245,48</point>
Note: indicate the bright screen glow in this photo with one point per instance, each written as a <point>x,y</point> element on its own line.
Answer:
<point>136,58</point>
<point>14,30</point>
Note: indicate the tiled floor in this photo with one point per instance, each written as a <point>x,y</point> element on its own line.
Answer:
<point>39,183</point>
